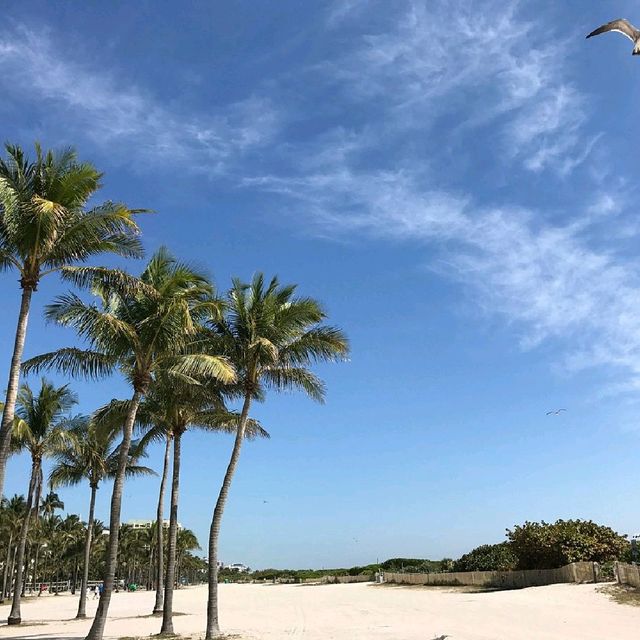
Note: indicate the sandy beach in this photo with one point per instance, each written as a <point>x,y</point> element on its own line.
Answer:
<point>351,612</point>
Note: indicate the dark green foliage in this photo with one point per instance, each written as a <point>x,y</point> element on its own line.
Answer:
<point>487,557</point>
<point>412,565</point>
<point>541,545</point>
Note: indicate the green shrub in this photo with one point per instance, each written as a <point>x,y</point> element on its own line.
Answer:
<point>541,545</point>
<point>487,557</point>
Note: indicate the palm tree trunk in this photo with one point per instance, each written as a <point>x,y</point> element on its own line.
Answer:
<point>82,606</point>
<point>97,628</point>
<point>167,613</point>
<point>157,609</point>
<point>213,625</point>
<point>74,576</point>
<point>25,574</point>
<point>6,568</point>
<point>14,616</point>
<point>35,565</point>
<point>14,381</point>
<point>12,571</point>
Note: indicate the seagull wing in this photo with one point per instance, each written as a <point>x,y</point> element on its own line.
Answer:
<point>549,413</point>
<point>621,26</point>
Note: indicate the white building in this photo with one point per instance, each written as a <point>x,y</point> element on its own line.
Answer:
<point>147,524</point>
<point>240,568</point>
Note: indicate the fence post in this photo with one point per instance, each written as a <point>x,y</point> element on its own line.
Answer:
<point>574,572</point>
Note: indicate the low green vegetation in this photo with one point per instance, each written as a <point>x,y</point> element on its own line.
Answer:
<point>532,545</point>
<point>488,557</point>
<point>542,545</point>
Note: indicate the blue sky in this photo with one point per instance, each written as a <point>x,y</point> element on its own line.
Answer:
<point>454,180</point>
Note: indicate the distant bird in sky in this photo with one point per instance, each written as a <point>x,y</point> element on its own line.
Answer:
<point>625,28</point>
<point>555,412</point>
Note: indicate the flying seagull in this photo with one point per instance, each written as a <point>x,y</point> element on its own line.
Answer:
<point>625,28</point>
<point>556,412</point>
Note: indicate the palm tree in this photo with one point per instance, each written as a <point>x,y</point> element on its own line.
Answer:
<point>45,227</point>
<point>142,324</point>
<point>38,431</point>
<point>271,337</point>
<point>13,513</point>
<point>170,409</point>
<point>186,541</point>
<point>50,504</point>
<point>114,414</point>
<point>89,454</point>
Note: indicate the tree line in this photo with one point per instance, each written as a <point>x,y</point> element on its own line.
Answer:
<point>190,355</point>
<point>56,546</point>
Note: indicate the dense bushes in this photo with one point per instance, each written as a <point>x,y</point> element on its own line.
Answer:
<point>412,565</point>
<point>541,545</point>
<point>487,557</point>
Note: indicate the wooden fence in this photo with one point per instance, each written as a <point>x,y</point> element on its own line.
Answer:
<point>627,574</point>
<point>576,572</point>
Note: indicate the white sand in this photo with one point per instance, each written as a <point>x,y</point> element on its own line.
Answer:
<point>352,612</point>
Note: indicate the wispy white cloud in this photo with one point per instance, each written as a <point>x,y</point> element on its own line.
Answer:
<point>481,66</point>
<point>109,110</point>
<point>481,63</point>
<point>546,279</point>
<point>343,9</point>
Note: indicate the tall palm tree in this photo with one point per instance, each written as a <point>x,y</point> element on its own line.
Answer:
<point>142,324</point>
<point>45,227</point>
<point>171,408</point>
<point>89,454</point>
<point>114,414</point>
<point>39,431</point>
<point>271,337</point>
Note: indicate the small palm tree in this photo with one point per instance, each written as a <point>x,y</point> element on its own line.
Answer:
<point>90,454</point>
<point>271,337</point>
<point>13,513</point>
<point>50,504</point>
<point>45,227</point>
<point>142,325</point>
<point>39,431</point>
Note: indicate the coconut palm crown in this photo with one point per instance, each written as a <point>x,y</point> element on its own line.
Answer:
<point>46,227</point>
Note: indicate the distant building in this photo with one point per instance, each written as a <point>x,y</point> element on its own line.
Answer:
<point>240,568</point>
<point>147,524</point>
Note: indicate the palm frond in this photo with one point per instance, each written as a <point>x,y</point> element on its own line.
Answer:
<point>203,366</point>
<point>73,362</point>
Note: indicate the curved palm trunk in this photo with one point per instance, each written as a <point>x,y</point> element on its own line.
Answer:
<point>82,606</point>
<point>157,609</point>
<point>14,616</point>
<point>213,625</point>
<point>97,628</point>
<point>167,613</point>
<point>14,382</point>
